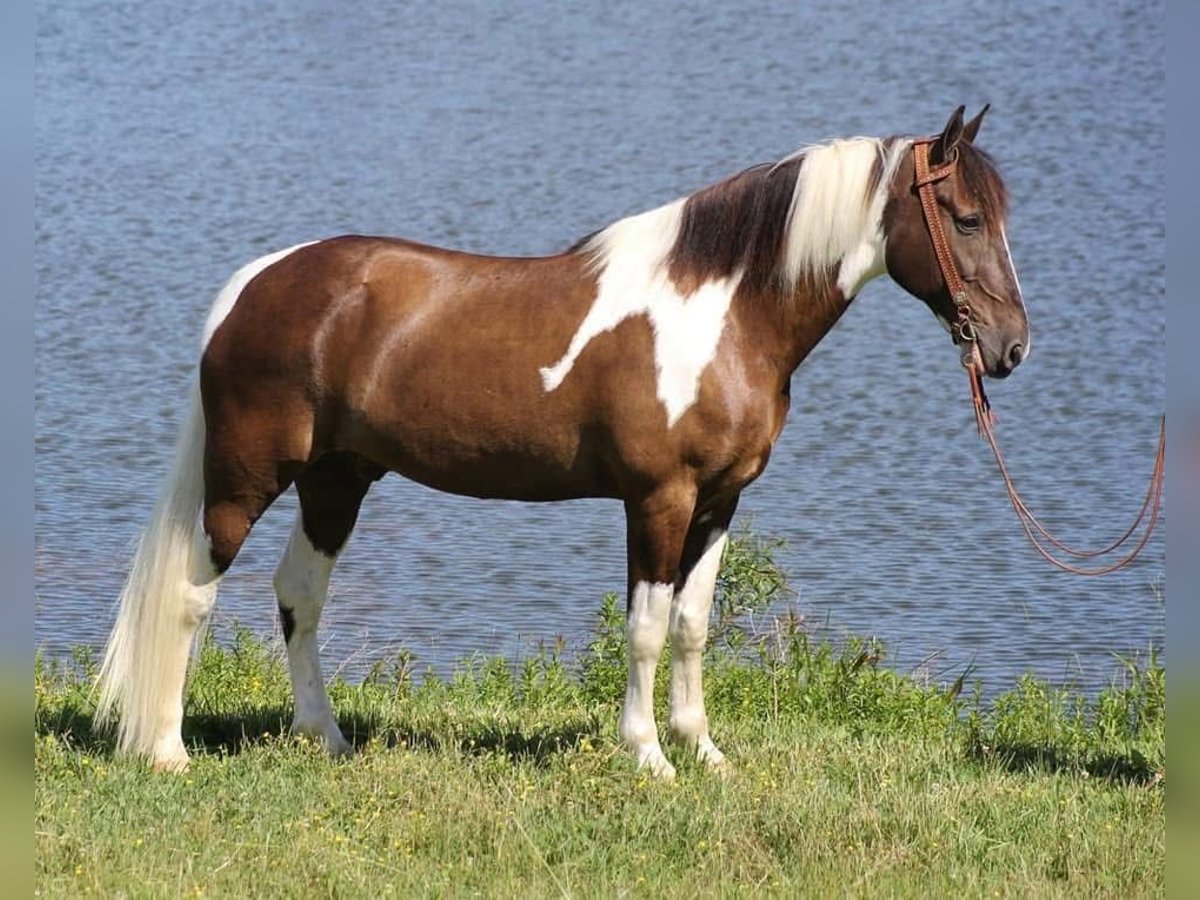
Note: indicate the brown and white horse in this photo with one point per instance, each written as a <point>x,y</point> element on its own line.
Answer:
<point>649,363</point>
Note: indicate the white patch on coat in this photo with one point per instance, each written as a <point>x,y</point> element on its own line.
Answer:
<point>646,632</point>
<point>833,221</point>
<point>223,304</point>
<point>630,255</point>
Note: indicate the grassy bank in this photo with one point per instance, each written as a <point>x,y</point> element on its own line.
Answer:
<point>508,780</point>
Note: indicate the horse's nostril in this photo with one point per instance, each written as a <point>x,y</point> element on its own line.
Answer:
<point>1016,353</point>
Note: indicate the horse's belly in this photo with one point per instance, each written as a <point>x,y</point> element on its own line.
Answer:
<point>492,462</point>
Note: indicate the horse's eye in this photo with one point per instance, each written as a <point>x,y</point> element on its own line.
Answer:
<point>968,224</point>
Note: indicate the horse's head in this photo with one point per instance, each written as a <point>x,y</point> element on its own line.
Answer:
<point>969,283</point>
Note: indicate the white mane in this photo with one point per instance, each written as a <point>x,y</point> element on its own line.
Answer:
<point>833,212</point>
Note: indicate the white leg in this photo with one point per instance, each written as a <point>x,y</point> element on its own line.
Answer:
<point>646,632</point>
<point>301,584</point>
<point>688,722</point>
<point>197,596</point>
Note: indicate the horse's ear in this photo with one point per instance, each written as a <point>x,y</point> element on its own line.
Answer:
<point>972,128</point>
<point>943,147</point>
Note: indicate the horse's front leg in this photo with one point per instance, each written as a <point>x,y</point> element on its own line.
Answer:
<point>657,526</point>
<point>701,562</point>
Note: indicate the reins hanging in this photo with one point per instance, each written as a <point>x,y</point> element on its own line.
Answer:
<point>1033,528</point>
<point>963,332</point>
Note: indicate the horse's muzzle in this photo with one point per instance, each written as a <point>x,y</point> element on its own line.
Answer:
<point>1009,360</point>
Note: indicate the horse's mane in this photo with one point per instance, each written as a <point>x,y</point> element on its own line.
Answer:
<point>778,223</point>
<point>738,224</point>
<point>773,223</point>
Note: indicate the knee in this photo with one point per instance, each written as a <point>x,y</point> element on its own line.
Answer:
<point>645,639</point>
<point>647,621</point>
<point>297,616</point>
<point>297,589</point>
<point>287,620</point>
<point>689,630</point>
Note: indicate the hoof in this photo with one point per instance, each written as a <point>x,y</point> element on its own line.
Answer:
<point>713,759</point>
<point>169,754</point>
<point>174,764</point>
<point>328,736</point>
<point>722,767</point>
<point>339,747</point>
<point>652,759</point>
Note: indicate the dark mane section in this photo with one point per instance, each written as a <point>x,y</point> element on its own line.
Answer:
<point>739,223</point>
<point>982,179</point>
<point>887,147</point>
<point>580,245</point>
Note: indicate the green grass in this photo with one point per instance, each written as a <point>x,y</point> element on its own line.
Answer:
<point>508,780</point>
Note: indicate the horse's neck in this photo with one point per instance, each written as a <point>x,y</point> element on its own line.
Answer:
<point>789,323</point>
<point>781,330</point>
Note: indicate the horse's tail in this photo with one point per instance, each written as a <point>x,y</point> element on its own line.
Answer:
<point>159,602</point>
<point>171,587</point>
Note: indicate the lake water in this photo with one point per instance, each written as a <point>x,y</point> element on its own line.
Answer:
<point>176,141</point>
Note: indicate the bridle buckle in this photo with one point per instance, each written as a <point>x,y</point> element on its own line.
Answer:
<point>963,331</point>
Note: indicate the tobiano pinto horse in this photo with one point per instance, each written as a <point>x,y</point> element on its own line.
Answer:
<point>649,363</point>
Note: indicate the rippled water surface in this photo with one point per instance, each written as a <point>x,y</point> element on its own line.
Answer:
<point>175,142</point>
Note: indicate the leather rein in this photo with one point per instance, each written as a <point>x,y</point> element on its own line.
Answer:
<point>964,335</point>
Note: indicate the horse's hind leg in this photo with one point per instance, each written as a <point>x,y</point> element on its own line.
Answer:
<point>331,491</point>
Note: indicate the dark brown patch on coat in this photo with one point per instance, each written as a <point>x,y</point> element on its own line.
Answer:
<point>287,619</point>
<point>736,224</point>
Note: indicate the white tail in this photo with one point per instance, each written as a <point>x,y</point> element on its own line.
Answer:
<point>171,588</point>
<point>161,608</point>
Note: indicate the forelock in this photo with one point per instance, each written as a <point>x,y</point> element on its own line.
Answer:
<point>982,180</point>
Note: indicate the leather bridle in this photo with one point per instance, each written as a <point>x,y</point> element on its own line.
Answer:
<point>964,335</point>
<point>962,329</point>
